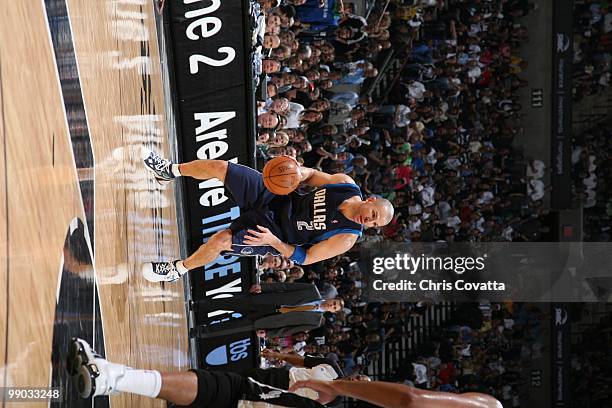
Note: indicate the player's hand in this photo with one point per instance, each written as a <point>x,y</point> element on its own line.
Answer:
<point>260,238</point>
<point>255,289</point>
<point>325,389</point>
<point>269,354</point>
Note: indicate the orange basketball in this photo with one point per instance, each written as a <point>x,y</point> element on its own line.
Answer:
<point>281,175</point>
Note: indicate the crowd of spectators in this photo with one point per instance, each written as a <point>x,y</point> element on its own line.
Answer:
<point>592,172</point>
<point>439,146</point>
<point>592,47</point>
<point>354,336</point>
<point>484,348</point>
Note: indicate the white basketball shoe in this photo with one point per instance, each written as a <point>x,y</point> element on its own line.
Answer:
<point>93,374</point>
<point>161,271</point>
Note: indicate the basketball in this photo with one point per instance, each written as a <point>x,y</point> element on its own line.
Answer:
<point>281,175</point>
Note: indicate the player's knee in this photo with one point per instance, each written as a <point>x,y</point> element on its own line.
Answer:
<point>218,168</point>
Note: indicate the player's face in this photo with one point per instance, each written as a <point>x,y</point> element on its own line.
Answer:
<point>371,215</point>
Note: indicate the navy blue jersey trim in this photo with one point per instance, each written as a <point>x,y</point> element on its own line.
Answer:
<point>355,186</point>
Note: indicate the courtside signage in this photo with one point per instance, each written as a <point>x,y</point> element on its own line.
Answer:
<point>212,94</point>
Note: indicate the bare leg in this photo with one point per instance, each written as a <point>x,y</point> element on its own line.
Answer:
<point>179,388</point>
<point>204,169</point>
<point>208,252</point>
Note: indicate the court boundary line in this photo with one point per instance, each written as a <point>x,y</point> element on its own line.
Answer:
<point>93,156</point>
<point>8,261</point>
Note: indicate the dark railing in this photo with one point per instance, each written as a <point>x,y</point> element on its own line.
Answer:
<point>418,329</point>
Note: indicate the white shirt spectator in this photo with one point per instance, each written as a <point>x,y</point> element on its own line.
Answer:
<point>453,222</point>
<point>535,169</point>
<point>485,197</point>
<point>427,196</point>
<point>349,98</point>
<point>430,158</point>
<point>322,372</point>
<point>420,372</point>
<point>475,146</point>
<point>298,348</point>
<point>576,154</point>
<point>591,199</point>
<point>444,210</point>
<point>478,224</point>
<point>592,165</point>
<point>416,90</point>
<point>466,351</point>
<point>535,189</point>
<point>293,116</point>
<point>474,72</point>
<point>453,163</point>
<point>590,182</point>
<point>415,209</point>
<point>402,118</point>
<point>433,362</point>
<point>414,225</point>
<point>507,233</point>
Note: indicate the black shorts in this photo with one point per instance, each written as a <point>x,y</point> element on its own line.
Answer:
<point>248,190</point>
<point>218,389</point>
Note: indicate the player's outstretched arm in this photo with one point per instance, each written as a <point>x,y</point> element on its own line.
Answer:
<point>391,395</point>
<point>318,178</point>
<point>334,246</point>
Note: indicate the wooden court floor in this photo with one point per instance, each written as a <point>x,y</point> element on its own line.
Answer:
<point>80,97</point>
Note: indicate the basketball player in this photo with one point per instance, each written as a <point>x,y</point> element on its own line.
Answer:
<point>305,228</point>
<point>94,375</point>
<point>390,395</point>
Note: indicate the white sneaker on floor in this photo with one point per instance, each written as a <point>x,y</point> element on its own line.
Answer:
<point>92,373</point>
<point>161,271</point>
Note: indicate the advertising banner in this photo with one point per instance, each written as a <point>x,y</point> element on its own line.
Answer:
<point>213,96</point>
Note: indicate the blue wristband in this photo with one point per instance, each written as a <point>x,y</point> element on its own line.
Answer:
<point>299,255</point>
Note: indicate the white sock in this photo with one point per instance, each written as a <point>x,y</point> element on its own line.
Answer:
<point>180,267</point>
<point>174,168</point>
<point>141,382</point>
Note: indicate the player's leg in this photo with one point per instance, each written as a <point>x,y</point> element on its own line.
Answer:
<point>204,169</point>
<point>94,375</point>
<point>179,388</point>
<point>164,170</point>
<point>206,253</point>
<point>244,183</point>
<point>209,251</point>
